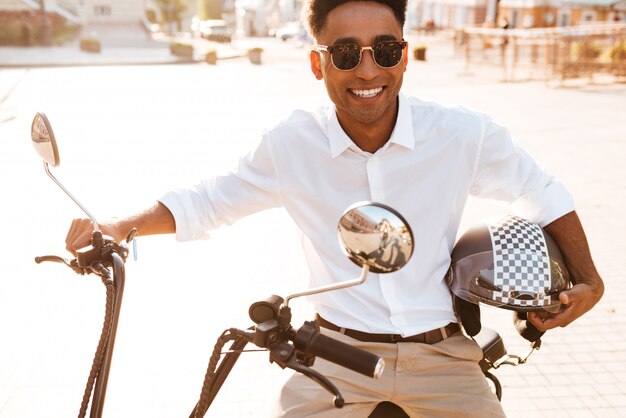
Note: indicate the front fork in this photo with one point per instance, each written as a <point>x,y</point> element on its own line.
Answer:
<point>119,278</point>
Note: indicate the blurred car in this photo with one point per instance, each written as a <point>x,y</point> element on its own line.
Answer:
<point>290,30</point>
<point>213,30</point>
<point>304,39</point>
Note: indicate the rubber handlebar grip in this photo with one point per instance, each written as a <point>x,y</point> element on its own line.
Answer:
<point>345,355</point>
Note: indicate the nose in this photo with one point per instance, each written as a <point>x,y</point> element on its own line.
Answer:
<point>367,68</point>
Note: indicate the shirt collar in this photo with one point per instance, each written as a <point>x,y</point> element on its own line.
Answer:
<point>402,133</point>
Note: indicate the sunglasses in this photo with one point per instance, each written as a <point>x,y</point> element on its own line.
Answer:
<point>346,57</point>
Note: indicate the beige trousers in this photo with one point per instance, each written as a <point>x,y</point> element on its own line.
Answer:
<point>439,380</point>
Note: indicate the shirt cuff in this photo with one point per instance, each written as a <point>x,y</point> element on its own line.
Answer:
<point>188,227</point>
<point>546,205</point>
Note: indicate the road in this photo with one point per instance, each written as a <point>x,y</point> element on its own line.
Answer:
<point>126,134</point>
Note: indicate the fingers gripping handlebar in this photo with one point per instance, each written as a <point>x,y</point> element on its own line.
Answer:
<point>288,348</point>
<point>274,318</point>
<point>89,258</point>
<point>285,355</point>
<point>309,343</point>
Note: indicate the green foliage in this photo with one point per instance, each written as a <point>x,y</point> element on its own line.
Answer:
<point>23,28</point>
<point>211,57</point>
<point>419,52</point>
<point>181,49</point>
<point>209,9</point>
<point>254,55</point>
<point>585,51</point>
<point>172,10</point>
<point>618,52</point>
<point>151,15</point>
<point>15,33</point>
<point>90,45</point>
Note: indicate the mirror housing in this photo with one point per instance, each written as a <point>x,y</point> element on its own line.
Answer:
<point>375,235</point>
<point>43,140</point>
<point>45,144</point>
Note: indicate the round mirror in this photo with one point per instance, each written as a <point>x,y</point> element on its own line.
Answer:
<point>374,234</point>
<point>43,140</point>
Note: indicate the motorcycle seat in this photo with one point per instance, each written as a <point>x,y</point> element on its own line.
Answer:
<point>492,345</point>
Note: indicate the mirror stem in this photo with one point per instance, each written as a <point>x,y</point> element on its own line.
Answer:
<point>93,220</point>
<point>330,287</point>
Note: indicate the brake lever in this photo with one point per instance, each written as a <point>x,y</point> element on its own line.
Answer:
<point>284,355</point>
<point>54,259</point>
<point>73,264</point>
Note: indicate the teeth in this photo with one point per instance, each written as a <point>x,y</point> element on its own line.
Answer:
<point>367,93</point>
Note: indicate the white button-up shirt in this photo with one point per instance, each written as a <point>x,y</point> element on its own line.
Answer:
<point>435,158</point>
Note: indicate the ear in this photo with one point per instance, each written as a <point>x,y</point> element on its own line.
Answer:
<point>405,56</point>
<point>316,64</point>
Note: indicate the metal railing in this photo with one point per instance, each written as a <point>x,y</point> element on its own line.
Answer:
<point>562,53</point>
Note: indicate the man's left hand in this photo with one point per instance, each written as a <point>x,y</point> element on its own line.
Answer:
<point>574,303</point>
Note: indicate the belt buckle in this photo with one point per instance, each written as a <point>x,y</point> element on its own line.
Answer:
<point>444,332</point>
<point>434,336</point>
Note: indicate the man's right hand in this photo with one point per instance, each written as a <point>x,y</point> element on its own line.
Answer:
<point>157,219</point>
<point>81,230</point>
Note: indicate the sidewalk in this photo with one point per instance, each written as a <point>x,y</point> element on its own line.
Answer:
<point>71,55</point>
<point>125,45</point>
<point>578,132</point>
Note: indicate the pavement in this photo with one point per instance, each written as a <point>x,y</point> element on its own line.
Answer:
<point>578,128</point>
<point>117,41</point>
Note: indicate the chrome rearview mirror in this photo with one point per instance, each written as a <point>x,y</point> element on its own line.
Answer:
<point>375,235</point>
<point>45,144</point>
<point>43,140</point>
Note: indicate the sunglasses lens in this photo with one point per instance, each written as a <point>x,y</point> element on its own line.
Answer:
<point>388,54</point>
<point>345,57</point>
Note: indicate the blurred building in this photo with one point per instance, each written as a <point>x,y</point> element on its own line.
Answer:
<point>84,11</point>
<point>455,14</point>
<point>446,13</point>
<point>35,6</point>
<point>551,13</point>
<point>262,17</point>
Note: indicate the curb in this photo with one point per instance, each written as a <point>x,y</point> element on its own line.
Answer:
<point>117,63</point>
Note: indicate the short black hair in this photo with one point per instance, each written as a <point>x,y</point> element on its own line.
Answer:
<point>316,12</point>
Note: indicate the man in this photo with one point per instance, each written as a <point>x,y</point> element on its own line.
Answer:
<point>419,158</point>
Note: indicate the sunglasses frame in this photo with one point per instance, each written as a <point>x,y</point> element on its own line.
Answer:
<point>361,49</point>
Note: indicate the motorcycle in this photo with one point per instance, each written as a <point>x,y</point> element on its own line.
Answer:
<point>372,235</point>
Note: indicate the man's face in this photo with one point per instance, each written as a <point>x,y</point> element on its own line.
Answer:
<point>367,94</point>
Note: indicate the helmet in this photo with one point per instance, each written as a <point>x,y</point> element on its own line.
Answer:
<point>509,263</point>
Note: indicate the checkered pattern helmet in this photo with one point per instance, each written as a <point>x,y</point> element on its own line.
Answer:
<point>509,263</point>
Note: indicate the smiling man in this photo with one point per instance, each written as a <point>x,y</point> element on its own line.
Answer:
<point>365,93</point>
<point>424,160</point>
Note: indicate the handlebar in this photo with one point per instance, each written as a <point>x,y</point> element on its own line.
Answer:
<point>95,257</point>
<point>345,355</point>
<point>313,344</point>
<point>288,348</point>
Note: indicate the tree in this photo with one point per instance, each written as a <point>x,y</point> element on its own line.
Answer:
<point>209,9</point>
<point>172,12</point>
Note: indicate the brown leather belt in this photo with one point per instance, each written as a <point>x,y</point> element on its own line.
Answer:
<point>428,337</point>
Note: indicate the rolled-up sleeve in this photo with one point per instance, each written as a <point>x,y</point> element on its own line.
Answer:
<point>504,171</point>
<point>251,188</point>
